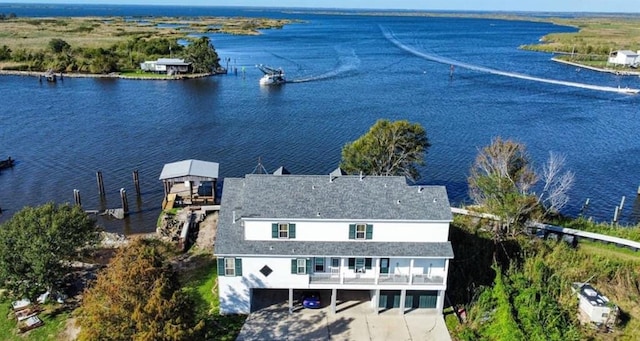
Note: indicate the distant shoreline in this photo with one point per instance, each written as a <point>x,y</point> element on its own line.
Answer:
<point>38,74</point>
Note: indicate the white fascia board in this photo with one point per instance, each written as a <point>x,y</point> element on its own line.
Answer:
<point>325,256</point>
<point>347,220</point>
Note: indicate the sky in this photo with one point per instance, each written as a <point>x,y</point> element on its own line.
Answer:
<point>623,6</point>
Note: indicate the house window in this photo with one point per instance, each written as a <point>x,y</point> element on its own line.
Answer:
<point>229,267</point>
<point>283,231</point>
<point>300,266</point>
<point>319,264</point>
<point>359,265</point>
<point>360,231</point>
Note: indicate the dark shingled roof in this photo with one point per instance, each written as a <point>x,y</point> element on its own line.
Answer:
<point>295,197</point>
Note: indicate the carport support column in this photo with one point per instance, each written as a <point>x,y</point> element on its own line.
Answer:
<point>403,297</point>
<point>290,300</point>
<point>334,294</point>
<point>376,303</point>
<point>440,301</point>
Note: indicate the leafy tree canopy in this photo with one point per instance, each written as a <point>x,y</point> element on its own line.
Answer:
<point>202,55</point>
<point>389,148</point>
<point>36,242</point>
<point>137,297</point>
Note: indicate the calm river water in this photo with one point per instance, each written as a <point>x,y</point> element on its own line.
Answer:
<point>346,75</point>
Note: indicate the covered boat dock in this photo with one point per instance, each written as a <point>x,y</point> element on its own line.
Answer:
<point>189,182</point>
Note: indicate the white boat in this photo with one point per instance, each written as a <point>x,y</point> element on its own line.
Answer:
<point>272,76</point>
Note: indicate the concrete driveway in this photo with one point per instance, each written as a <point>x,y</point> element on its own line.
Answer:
<point>354,320</point>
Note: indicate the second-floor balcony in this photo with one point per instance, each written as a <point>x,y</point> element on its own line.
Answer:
<point>386,279</point>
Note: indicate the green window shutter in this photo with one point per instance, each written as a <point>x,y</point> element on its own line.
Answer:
<point>292,231</point>
<point>369,231</point>
<point>294,266</point>
<point>220,266</point>
<point>308,263</point>
<point>352,263</point>
<point>367,263</point>
<point>274,230</point>
<point>352,231</point>
<point>238,266</point>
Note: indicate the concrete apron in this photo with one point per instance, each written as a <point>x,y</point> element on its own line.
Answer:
<point>353,321</point>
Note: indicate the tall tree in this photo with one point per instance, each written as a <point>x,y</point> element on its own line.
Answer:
<point>137,297</point>
<point>389,148</point>
<point>37,242</point>
<point>202,55</point>
<point>501,179</point>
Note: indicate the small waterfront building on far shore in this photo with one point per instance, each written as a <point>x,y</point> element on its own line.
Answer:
<point>624,58</point>
<point>170,66</point>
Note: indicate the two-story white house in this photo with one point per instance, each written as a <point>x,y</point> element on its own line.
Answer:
<point>374,234</point>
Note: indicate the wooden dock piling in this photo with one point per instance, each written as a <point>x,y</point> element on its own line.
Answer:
<point>123,198</point>
<point>76,197</point>
<point>136,182</point>
<point>100,183</point>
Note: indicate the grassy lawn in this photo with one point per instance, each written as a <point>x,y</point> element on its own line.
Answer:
<point>622,290</point>
<point>200,283</point>
<point>54,317</point>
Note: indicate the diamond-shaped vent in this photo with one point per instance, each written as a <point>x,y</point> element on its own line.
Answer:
<point>266,271</point>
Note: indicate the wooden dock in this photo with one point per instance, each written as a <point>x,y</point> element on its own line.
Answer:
<point>559,230</point>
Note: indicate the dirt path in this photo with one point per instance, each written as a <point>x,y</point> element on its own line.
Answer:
<point>207,232</point>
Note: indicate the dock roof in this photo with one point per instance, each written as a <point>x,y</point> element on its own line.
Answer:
<point>188,170</point>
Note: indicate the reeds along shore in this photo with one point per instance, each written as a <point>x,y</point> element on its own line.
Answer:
<point>110,75</point>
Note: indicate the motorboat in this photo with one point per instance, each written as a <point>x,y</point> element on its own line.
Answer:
<point>272,76</point>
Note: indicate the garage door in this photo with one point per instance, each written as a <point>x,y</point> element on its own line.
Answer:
<point>421,299</point>
<point>389,299</point>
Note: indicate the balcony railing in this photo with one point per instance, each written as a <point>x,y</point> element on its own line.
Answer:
<point>426,279</point>
<point>351,278</point>
<point>393,279</point>
<point>322,278</point>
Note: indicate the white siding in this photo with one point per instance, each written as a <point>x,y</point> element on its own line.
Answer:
<point>281,277</point>
<point>410,232</point>
<point>234,291</point>
<point>339,231</point>
<point>234,295</point>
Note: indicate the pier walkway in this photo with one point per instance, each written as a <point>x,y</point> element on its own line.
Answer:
<point>559,230</point>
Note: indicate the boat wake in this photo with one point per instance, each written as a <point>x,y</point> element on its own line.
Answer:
<point>347,62</point>
<point>444,60</point>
